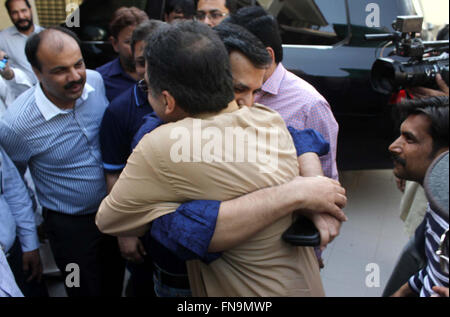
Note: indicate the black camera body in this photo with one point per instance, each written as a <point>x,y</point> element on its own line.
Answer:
<point>426,59</point>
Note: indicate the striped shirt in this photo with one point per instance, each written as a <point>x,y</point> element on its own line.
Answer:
<point>61,147</point>
<point>431,275</point>
<point>16,212</point>
<point>302,107</point>
<point>8,286</point>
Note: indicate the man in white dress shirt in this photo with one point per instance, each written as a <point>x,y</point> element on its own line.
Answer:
<point>14,38</point>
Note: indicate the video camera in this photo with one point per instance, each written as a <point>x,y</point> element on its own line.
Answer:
<point>426,58</point>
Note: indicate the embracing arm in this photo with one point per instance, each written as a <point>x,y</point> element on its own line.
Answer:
<point>212,226</point>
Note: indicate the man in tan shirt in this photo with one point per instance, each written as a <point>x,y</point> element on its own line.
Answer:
<point>191,158</point>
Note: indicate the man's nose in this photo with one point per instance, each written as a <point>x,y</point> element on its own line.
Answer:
<point>395,147</point>
<point>22,15</point>
<point>245,100</point>
<point>209,21</point>
<point>74,75</point>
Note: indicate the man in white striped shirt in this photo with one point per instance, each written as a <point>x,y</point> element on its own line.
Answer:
<point>54,129</point>
<point>424,136</point>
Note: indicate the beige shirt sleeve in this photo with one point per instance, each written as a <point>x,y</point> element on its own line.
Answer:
<point>139,196</point>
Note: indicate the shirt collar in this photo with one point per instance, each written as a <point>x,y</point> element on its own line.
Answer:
<point>15,31</point>
<point>48,109</point>
<point>232,107</point>
<point>140,97</point>
<point>273,83</point>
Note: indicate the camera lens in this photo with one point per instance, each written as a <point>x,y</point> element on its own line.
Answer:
<point>383,76</point>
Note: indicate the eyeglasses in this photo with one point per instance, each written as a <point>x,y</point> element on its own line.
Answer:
<point>212,15</point>
<point>442,252</point>
<point>142,84</point>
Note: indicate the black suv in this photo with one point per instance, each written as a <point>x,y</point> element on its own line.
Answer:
<point>323,44</point>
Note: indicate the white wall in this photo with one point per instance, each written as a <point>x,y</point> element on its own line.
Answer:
<point>435,11</point>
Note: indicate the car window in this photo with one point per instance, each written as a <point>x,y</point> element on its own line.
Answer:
<point>309,22</point>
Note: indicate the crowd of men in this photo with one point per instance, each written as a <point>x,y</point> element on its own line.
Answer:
<point>134,170</point>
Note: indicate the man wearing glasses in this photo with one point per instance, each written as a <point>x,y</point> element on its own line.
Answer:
<point>212,12</point>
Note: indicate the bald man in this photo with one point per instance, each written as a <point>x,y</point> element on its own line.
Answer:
<point>54,129</point>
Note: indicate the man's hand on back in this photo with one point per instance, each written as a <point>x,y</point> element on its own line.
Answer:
<point>319,195</point>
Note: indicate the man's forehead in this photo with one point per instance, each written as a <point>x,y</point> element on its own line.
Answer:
<point>242,66</point>
<point>209,5</point>
<point>416,124</point>
<point>17,5</point>
<point>55,42</point>
<point>54,50</point>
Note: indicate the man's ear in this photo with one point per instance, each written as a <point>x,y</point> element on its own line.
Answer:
<point>271,53</point>
<point>114,43</point>
<point>170,103</point>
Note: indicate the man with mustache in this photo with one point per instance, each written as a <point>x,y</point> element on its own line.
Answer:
<point>413,207</point>
<point>424,136</point>
<point>54,129</point>
<point>13,39</point>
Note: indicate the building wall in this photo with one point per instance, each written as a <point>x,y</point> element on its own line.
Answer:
<point>435,11</point>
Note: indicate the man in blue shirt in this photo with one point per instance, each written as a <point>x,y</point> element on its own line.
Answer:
<point>54,129</point>
<point>120,74</point>
<point>124,116</point>
<point>17,219</point>
<point>121,121</point>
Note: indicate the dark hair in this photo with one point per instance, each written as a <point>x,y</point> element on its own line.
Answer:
<point>263,25</point>
<point>236,38</point>
<point>124,17</point>
<point>187,7</point>
<point>231,5</point>
<point>189,60</point>
<point>143,31</point>
<point>436,109</point>
<point>33,42</point>
<point>9,1</point>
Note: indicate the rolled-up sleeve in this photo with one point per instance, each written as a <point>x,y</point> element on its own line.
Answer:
<point>309,140</point>
<point>188,231</point>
